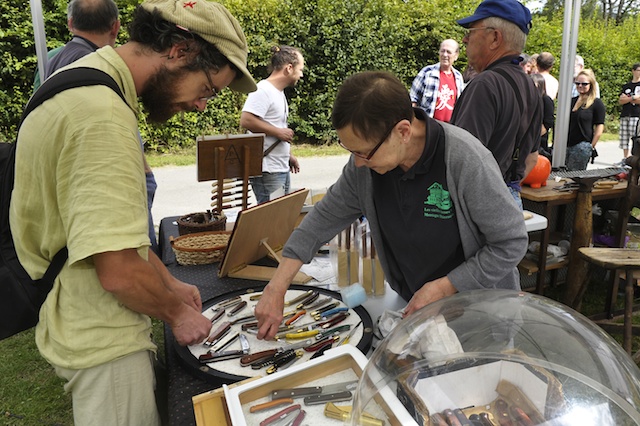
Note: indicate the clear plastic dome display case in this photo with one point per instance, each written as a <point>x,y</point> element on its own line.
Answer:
<point>499,357</point>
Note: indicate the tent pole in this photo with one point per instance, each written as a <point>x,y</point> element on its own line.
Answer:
<point>568,55</point>
<point>40,37</point>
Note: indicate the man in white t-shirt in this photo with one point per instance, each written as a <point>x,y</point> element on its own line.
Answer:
<point>545,62</point>
<point>266,111</point>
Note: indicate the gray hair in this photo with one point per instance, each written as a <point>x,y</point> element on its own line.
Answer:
<point>512,35</point>
<point>93,16</point>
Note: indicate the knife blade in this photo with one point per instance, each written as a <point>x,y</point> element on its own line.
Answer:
<point>319,302</point>
<point>227,303</point>
<point>314,390</point>
<point>298,299</point>
<point>218,334</point>
<point>270,404</point>
<point>348,337</point>
<point>308,301</point>
<point>335,320</point>
<point>333,332</point>
<point>327,397</point>
<point>224,345</point>
<point>240,306</point>
<point>217,316</point>
<point>287,413</point>
<point>242,320</point>
<point>257,357</point>
<point>223,356</point>
<point>284,362</point>
<point>324,308</point>
<point>322,350</point>
<point>270,361</point>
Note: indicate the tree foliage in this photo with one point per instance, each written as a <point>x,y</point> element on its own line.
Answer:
<point>337,38</point>
<point>615,10</point>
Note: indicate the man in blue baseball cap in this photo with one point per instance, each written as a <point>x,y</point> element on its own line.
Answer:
<point>500,106</point>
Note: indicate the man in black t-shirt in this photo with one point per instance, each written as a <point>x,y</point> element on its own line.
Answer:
<point>630,101</point>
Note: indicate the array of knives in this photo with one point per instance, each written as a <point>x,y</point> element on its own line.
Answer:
<point>229,193</point>
<point>292,414</point>
<point>312,324</point>
<point>356,253</point>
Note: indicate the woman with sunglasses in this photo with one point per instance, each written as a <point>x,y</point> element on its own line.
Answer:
<point>586,122</point>
<point>441,217</point>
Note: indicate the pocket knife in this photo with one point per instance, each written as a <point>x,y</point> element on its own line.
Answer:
<point>218,334</point>
<point>222,356</point>
<point>314,390</point>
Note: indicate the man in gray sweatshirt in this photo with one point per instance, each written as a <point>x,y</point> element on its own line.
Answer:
<point>441,217</point>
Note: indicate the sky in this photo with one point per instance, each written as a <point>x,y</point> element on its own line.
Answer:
<point>534,5</point>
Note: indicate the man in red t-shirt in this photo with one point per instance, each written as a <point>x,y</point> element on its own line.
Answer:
<point>437,87</point>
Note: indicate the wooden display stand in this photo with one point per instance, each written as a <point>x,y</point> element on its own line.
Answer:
<point>221,157</point>
<point>261,231</point>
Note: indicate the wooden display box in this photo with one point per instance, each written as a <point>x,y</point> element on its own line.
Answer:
<point>476,389</point>
<point>210,408</point>
<point>229,406</point>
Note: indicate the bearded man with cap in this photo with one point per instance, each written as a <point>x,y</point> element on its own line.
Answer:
<point>80,183</point>
<point>501,106</point>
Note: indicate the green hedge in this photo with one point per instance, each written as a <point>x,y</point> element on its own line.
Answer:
<point>338,38</point>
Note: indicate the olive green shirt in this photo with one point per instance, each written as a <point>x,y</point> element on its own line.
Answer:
<point>80,183</point>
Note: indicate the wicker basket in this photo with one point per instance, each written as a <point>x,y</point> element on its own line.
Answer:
<point>200,248</point>
<point>202,222</point>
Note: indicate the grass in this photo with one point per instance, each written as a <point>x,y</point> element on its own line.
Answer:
<point>30,391</point>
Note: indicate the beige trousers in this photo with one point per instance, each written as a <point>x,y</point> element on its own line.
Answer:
<point>118,393</point>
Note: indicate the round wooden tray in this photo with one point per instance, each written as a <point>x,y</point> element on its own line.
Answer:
<point>230,371</point>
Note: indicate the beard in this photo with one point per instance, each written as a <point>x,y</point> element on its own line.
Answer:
<point>159,95</point>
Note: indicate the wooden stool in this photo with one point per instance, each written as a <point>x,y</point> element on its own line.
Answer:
<point>614,259</point>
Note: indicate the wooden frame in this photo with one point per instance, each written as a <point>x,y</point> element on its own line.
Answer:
<point>221,157</point>
<point>239,156</point>
<point>260,231</point>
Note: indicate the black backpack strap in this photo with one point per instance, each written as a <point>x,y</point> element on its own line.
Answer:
<point>69,79</point>
<point>64,80</point>
<point>511,172</point>
<point>55,266</point>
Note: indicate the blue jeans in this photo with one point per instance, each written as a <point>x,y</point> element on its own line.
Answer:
<point>514,188</point>
<point>263,186</point>
<point>151,192</point>
<point>578,156</point>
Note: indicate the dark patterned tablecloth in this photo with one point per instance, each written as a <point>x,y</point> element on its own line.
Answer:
<point>181,385</point>
<point>183,380</point>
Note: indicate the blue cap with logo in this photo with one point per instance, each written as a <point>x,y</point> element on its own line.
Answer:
<point>510,10</point>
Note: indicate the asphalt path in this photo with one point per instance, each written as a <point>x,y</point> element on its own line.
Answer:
<point>180,193</point>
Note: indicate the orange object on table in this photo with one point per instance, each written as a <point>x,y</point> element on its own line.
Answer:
<point>538,176</point>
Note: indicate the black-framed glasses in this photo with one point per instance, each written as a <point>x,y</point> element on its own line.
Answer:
<point>211,88</point>
<point>577,83</point>
<point>375,148</point>
<point>468,31</point>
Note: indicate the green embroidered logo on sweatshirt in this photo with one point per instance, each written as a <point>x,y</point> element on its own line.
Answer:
<point>438,203</point>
